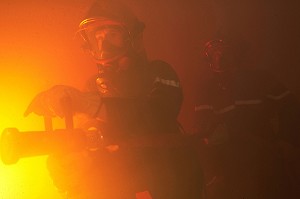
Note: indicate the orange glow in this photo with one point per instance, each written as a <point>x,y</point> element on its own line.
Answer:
<point>28,178</point>
<point>37,51</point>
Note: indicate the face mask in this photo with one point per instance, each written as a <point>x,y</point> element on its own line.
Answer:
<point>221,59</point>
<point>107,43</point>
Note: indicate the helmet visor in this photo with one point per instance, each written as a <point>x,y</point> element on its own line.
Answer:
<point>106,41</point>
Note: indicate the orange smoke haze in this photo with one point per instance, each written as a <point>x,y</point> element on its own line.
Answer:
<point>37,51</point>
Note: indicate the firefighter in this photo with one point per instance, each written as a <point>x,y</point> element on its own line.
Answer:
<point>242,113</point>
<point>134,103</point>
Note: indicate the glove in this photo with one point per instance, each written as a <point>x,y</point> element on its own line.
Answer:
<point>51,102</point>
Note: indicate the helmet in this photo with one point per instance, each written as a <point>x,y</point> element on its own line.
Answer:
<point>113,35</point>
<point>109,30</point>
<point>220,56</point>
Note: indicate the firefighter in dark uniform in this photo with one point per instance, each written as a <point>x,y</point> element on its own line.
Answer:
<point>134,103</point>
<point>242,114</point>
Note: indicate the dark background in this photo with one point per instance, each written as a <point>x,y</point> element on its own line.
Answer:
<point>177,31</point>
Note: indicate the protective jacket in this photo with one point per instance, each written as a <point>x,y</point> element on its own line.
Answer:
<point>139,165</point>
<point>247,101</point>
<point>153,108</point>
<point>244,115</point>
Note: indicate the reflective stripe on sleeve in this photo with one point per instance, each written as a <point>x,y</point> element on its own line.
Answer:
<point>203,107</point>
<point>167,82</point>
<point>278,97</point>
<point>229,107</point>
<point>226,109</point>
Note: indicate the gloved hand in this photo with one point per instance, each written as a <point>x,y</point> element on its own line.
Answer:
<point>50,102</point>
